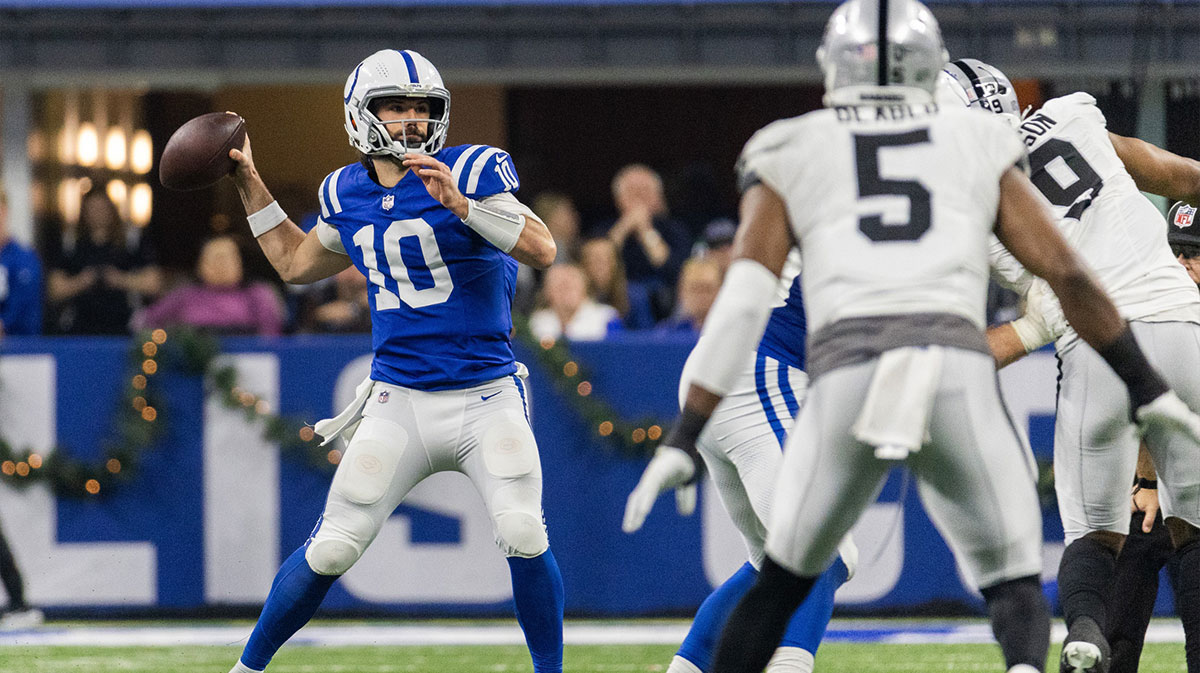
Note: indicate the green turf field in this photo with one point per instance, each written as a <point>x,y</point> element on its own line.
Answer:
<point>833,658</point>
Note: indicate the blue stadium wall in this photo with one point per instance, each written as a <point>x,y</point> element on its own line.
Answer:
<point>214,508</point>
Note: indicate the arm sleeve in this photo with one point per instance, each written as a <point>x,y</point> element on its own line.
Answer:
<point>509,203</point>
<point>734,326</point>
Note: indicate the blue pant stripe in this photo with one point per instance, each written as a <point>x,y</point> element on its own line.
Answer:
<point>764,396</point>
<point>521,389</point>
<point>785,386</point>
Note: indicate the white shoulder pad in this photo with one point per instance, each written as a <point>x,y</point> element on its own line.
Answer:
<point>329,237</point>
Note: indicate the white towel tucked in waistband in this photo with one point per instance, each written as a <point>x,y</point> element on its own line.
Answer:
<point>346,422</point>
<point>895,416</point>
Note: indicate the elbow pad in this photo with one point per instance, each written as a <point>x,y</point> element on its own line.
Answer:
<point>496,226</point>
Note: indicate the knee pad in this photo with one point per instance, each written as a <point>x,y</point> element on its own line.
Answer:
<point>517,515</point>
<point>366,471</point>
<point>508,448</point>
<point>331,557</point>
<point>345,532</point>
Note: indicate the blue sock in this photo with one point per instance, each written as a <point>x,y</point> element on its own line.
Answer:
<point>808,623</point>
<point>295,595</point>
<point>701,641</point>
<point>805,630</point>
<point>538,597</point>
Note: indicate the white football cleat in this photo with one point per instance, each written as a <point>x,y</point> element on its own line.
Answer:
<point>19,620</point>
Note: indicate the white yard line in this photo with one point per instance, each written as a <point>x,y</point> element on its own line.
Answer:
<point>583,633</point>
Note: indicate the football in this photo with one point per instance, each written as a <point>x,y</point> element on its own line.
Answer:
<point>197,155</point>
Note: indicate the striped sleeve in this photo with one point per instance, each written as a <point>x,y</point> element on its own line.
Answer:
<point>482,171</point>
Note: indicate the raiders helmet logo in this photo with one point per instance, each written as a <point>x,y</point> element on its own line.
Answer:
<point>1185,216</point>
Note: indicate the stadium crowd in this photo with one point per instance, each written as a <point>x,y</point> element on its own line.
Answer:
<point>642,270</point>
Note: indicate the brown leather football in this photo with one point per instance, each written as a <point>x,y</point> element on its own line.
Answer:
<point>197,155</point>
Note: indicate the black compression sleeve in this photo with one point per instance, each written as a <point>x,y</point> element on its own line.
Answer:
<point>683,435</point>
<point>1127,360</point>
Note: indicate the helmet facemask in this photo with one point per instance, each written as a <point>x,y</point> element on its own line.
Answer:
<point>380,138</point>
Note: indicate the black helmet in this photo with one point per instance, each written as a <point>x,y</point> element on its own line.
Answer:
<point>1183,231</point>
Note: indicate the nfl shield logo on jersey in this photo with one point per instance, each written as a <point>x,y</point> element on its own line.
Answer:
<point>383,396</point>
<point>389,201</point>
<point>1185,216</point>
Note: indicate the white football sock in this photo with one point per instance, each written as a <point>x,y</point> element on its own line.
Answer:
<point>791,660</point>
<point>239,667</point>
<point>681,665</point>
<point>1022,668</point>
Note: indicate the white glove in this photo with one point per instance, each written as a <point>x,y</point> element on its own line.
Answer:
<point>1168,413</point>
<point>1043,320</point>
<point>670,468</point>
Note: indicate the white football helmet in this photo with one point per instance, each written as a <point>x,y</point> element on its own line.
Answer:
<point>976,84</point>
<point>391,73</point>
<point>867,65</point>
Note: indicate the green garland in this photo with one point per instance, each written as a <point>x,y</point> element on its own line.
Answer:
<point>142,416</point>
<point>141,420</point>
<point>572,381</point>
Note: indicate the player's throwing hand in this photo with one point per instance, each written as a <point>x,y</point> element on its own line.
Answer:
<point>439,182</point>
<point>670,468</point>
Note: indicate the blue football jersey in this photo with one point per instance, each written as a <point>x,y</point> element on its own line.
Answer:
<point>440,295</point>
<point>787,330</point>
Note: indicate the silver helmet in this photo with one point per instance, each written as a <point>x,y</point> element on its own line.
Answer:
<point>864,64</point>
<point>976,84</point>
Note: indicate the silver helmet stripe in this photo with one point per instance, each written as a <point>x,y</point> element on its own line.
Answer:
<point>883,42</point>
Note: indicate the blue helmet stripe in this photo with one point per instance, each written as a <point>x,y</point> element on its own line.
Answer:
<point>412,68</point>
<point>353,84</point>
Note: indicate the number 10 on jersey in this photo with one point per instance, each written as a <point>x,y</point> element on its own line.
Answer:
<point>421,280</point>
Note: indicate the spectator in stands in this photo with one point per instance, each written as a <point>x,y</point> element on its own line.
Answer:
<point>340,306</point>
<point>220,301</point>
<point>699,282</point>
<point>653,246</point>
<point>99,275</point>
<point>718,242</point>
<point>558,211</point>
<point>569,310</point>
<point>20,282</point>
<point>608,284</point>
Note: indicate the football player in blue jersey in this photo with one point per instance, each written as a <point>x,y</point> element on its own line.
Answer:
<point>438,233</point>
<point>742,446</point>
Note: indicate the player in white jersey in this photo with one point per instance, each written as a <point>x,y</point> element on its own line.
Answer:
<point>1092,178</point>
<point>891,203</point>
<point>741,448</point>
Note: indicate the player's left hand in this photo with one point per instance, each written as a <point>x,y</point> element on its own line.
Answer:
<point>670,468</point>
<point>1145,500</point>
<point>1169,413</point>
<point>438,181</point>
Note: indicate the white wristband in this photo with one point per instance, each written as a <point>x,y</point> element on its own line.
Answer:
<point>266,219</point>
<point>500,228</point>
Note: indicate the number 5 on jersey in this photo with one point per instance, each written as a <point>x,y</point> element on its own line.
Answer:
<point>416,272</point>
<point>871,183</point>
